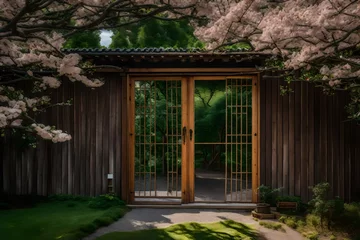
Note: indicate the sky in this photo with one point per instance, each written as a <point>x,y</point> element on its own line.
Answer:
<point>105,37</point>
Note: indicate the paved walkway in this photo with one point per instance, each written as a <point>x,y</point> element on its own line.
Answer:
<point>143,218</point>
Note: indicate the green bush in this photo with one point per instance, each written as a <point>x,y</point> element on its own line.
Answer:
<point>288,199</point>
<point>312,220</point>
<point>103,221</point>
<point>282,219</point>
<point>88,228</point>
<point>105,201</point>
<point>291,222</point>
<point>271,225</point>
<point>332,237</point>
<point>301,223</point>
<point>267,194</point>
<point>313,236</point>
<point>326,209</point>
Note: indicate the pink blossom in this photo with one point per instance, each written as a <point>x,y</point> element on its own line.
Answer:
<point>51,82</point>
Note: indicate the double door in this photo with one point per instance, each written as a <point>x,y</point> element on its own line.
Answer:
<point>193,139</point>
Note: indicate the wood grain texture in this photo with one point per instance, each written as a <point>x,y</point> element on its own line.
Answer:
<point>79,166</point>
<point>321,146</point>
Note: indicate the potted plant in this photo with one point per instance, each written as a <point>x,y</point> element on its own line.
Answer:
<point>266,198</point>
<point>288,202</point>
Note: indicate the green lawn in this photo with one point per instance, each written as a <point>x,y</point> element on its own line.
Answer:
<point>55,220</point>
<point>219,231</point>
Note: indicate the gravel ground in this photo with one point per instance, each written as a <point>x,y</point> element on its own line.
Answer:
<point>143,218</point>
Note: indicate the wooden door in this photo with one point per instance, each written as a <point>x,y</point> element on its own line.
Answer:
<point>163,139</point>
<point>158,139</point>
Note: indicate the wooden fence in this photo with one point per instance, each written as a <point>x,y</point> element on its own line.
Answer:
<point>79,166</point>
<point>305,139</point>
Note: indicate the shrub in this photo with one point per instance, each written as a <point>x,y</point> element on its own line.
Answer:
<point>332,237</point>
<point>282,219</point>
<point>326,209</point>
<point>266,194</point>
<point>271,225</point>
<point>291,222</point>
<point>103,221</point>
<point>88,228</point>
<point>301,223</point>
<point>105,201</point>
<point>313,220</point>
<point>313,236</point>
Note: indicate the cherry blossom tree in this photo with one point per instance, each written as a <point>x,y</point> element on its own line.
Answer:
<point>320,39</point>
<point>32,33</point>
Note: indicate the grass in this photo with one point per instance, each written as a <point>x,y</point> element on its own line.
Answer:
<point>56,220</point>
<point>272,225</point>
<point>220,231</point>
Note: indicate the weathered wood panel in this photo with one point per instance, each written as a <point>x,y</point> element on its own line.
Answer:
<point>316,143</point>
<point>79,166</point>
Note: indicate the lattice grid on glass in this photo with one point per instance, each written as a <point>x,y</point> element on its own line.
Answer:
<point>238,140</point>
<point>158,139</point>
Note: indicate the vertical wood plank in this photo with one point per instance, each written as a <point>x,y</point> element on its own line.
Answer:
<point>292,140</point>
<point>274,137</point>
<point>185,165</point>
<point>304,154</point>
<point>131,127</point>
<point>190,158</point>
<point>255,160</point>
<point>285,148</point>
<point>311,141</point>
<point>263,93</point>
<point>297,135</point>
<point>268,132</point>
<point>122,164</point>
<point>280,146</point>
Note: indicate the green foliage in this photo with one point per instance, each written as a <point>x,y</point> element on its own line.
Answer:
<point>313,236</point>
<point>313,220</point>
<point>267,194</point>
<point>272,225</point>
<point>332,237</point>
<point>291,222</point>
<point>288,199</point>
<point>323,207</point>
<point>84,39</point>
<point>105,201</point>
<point>156,33</point>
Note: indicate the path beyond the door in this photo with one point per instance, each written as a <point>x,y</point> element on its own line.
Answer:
<point>143,218</point>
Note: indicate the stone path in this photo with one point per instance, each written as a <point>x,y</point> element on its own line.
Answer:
<point>143,218</point>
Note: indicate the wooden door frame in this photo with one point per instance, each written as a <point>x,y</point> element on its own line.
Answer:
<point>187,179</point>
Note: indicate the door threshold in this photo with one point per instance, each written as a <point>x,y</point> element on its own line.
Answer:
<point>238,206</point>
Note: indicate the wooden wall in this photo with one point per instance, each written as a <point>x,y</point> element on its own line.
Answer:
<point>305,140</point>
<point>79,166</point>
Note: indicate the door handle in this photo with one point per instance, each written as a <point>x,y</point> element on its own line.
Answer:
<point>184,134</point>
<point>191,133</point>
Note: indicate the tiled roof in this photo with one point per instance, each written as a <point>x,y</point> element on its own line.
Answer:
<point>150,51</point>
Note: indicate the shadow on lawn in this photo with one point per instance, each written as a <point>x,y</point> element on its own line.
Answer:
<point>225,230</point>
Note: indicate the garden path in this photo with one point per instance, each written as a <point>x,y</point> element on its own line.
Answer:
<point>144,218</point>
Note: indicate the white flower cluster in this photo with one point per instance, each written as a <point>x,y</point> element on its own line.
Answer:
<point>46,132</point>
